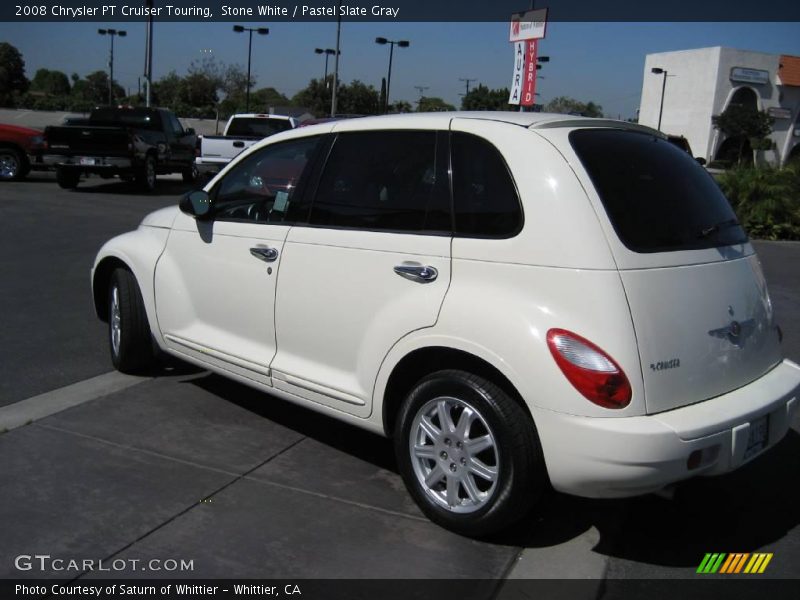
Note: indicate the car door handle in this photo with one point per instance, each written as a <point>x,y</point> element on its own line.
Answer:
<point>264,253</point>
<point>238,144</point>
<point>417,272</point>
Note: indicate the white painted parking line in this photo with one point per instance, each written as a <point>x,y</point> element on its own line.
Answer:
<point>41,406</point>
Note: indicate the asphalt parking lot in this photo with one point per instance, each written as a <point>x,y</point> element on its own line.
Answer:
<point>186,465</point>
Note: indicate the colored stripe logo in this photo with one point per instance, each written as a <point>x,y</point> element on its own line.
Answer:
<point>735,563</point>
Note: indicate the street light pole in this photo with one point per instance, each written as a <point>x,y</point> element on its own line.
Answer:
<point>659,71</point>
<point>249,55</point>
<point>402,44</point>
<point>335,91</point>
<point>249,30</point>
<point>112,33</point>
<point>327,52</point>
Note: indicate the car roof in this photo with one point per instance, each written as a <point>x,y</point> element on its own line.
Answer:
<point>441,120</point>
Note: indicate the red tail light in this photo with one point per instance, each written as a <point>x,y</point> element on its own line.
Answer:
<point>589,369</point>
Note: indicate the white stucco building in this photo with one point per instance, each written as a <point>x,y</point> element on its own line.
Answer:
<point>703,82</point>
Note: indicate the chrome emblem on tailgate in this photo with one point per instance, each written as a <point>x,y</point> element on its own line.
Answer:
<point>735,332</point>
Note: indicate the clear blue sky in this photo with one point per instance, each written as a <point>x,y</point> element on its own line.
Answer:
<point>602,62</point>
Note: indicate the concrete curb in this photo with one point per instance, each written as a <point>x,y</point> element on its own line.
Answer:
<point>41,406</point>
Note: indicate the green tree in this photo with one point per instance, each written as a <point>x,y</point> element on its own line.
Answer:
<point>167,90</point>
<point>571,106</point>
<point>483,98</point>
<point>267,97</point>
<point>12,74</point>
<point>92,91</point>
<point>316,97</point>
<point>53,83</point>
<point>745,123</point>
<point>358,98</point>
<point>197,95</point>
<point>401,106</point>
<point>433,104</point>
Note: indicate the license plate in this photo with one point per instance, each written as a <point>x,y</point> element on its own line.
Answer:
<point>87,161</point>
<point>757,437</point>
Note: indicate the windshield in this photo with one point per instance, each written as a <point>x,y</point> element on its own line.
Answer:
<point>656,196</point>
<point>257,127</point>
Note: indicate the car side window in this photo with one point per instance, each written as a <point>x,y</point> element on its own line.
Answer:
<point>384,181</point>
<point>177,128</point>
<point>485,199</point>
<point>262,187</point>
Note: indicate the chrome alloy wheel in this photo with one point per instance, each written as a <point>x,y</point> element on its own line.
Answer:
<point>9,165</point>
<point>115,328</point>
<point>454,454</point>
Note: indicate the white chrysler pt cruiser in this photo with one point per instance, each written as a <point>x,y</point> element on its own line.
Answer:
<point>519,300</point>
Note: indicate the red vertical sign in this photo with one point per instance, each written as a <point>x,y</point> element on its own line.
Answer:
<point>529,75</point>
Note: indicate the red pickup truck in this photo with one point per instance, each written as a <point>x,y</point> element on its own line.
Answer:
<point>20,148</point>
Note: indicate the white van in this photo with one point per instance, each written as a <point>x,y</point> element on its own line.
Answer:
<point>520,300</point>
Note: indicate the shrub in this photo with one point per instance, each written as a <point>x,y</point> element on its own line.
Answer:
<point>766,200</point>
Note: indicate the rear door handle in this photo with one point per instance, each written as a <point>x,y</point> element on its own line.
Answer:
<point>264,253</point>
<point>417,272</point>
<point>238,144</point>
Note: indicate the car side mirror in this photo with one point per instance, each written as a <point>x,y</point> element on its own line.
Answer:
<point>189,131</point>
<point>196,204</point>
<point>700,161</point>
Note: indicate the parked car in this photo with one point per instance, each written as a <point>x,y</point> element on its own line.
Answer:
<point>519,300</point>
<point>20,149</point>
<point>241,132</point>
<point>133,143</point>
<point>681,142</point>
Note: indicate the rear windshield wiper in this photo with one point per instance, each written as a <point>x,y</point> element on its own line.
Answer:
<point>718,227</point>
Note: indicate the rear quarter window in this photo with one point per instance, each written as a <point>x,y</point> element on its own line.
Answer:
<point>257,127</point>
<point>657,197</point>
<point>485,198</point>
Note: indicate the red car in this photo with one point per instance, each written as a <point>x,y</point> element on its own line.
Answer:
<point>19,148</point>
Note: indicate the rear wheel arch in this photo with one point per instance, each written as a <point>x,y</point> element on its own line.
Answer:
<point>422,362</point>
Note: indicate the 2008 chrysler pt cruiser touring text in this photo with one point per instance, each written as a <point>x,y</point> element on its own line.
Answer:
<point>519,300</point>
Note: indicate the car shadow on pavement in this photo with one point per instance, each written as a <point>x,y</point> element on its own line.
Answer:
<point>352,440</point>
<point>164,187</point>
<point>739,512</point>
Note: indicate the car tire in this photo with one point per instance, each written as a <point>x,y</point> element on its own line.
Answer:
<point>190,174</point>
<point>487,472</point>
<point>146,177</point>
<point>130,340</point>
<point>67,178</point>
<point>12,164</point>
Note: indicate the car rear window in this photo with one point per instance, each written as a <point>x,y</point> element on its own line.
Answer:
<point>257,127</point>
<point>130,117</point>
<point>657,197</point>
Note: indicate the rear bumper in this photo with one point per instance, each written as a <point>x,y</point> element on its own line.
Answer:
<point>206,167</point>
<point>83,162</point>
<point>618,457</point>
